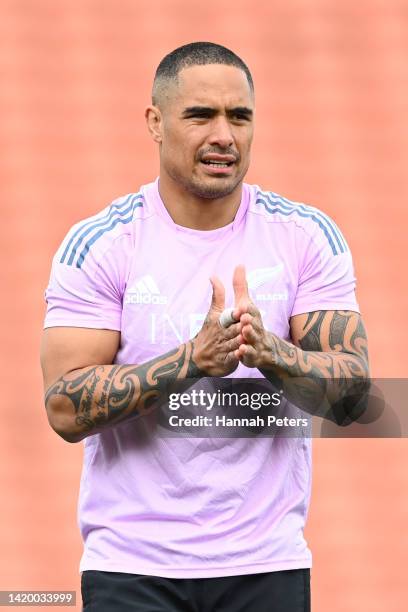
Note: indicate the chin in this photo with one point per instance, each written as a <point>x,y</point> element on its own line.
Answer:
<point>214,188</point>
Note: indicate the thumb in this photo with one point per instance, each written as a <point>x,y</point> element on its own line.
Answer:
<point>240,285</point>
<point>218,295</point>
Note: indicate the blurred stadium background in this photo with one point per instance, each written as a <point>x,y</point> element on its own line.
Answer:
<point>332,130</point>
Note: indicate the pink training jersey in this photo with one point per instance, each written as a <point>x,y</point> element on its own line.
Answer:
<point>194,507</point>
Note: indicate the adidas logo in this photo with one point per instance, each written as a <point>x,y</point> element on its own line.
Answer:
<point>145,291</point>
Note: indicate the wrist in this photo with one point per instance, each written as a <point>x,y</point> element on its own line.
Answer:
<point>267,356</point>
<point>195,367</point>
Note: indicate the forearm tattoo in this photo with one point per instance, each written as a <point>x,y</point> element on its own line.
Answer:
<point>105,394</point>
<point>331,344</point>
<point>328,358</point>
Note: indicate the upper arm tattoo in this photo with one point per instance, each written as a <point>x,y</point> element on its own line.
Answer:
<point>326,344</point>
<point>328,362</point>
<point>333,330</point>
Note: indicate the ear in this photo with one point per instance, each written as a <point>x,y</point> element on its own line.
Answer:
<point>154,122</point>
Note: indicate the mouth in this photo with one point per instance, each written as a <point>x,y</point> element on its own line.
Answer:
<point>218,163</point>
<point>215,164</point>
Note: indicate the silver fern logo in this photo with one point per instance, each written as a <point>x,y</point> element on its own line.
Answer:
<point>261,276</point>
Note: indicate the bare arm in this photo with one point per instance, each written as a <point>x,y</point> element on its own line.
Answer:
<point>85,393</point>
<point>323,367</point>
<point>324,371</point>
<point>329,344</point>
<point>85,400</point>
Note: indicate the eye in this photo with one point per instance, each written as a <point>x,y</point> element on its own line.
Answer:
<point>199,116</point>
<point>241,116</point>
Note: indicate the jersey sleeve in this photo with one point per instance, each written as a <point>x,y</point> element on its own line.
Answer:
<point>326,277</point>
<point>85,295</point>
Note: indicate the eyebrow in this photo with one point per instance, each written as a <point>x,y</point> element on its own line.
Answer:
<point>211,112</point>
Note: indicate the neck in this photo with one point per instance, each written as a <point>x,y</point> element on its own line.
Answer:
<point>188,210</point>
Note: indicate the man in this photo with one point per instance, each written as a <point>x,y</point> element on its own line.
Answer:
<point>189,523</point>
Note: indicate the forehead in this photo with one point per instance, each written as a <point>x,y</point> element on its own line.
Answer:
<point>215,85</point>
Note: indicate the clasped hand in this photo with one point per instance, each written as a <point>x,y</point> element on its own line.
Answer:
<point>218,350</point>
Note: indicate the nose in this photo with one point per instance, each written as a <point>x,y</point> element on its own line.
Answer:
<point>221,133</point>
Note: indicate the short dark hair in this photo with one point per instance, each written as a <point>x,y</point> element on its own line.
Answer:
<point>195,54</point>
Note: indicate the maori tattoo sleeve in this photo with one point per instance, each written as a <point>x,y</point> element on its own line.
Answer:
<point>327,364</point>
<point>97,396</point>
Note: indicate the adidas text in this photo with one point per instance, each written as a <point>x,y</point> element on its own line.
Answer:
<point>145,298</point>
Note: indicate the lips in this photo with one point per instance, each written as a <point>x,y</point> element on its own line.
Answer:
<point>214,164</point>
<point>218,164</point>
<point>215,160</point>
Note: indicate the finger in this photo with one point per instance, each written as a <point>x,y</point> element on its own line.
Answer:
<point>218,294</point>
<point>246,307</point>
<point>243,307</point>
<point>231,359</point>
<point>240,284</point>
<point>226,318</point>
<point>240,352</point>
<point>249,334</point>
<point>233,344</point>
<point>246,355</point>
<point>254,322</point>
<point>246,319</point>
<point>232,331</point>
<point>253,319</point>
<point>253,310</point>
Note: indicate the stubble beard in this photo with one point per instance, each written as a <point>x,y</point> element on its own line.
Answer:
<point>214,189</point>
